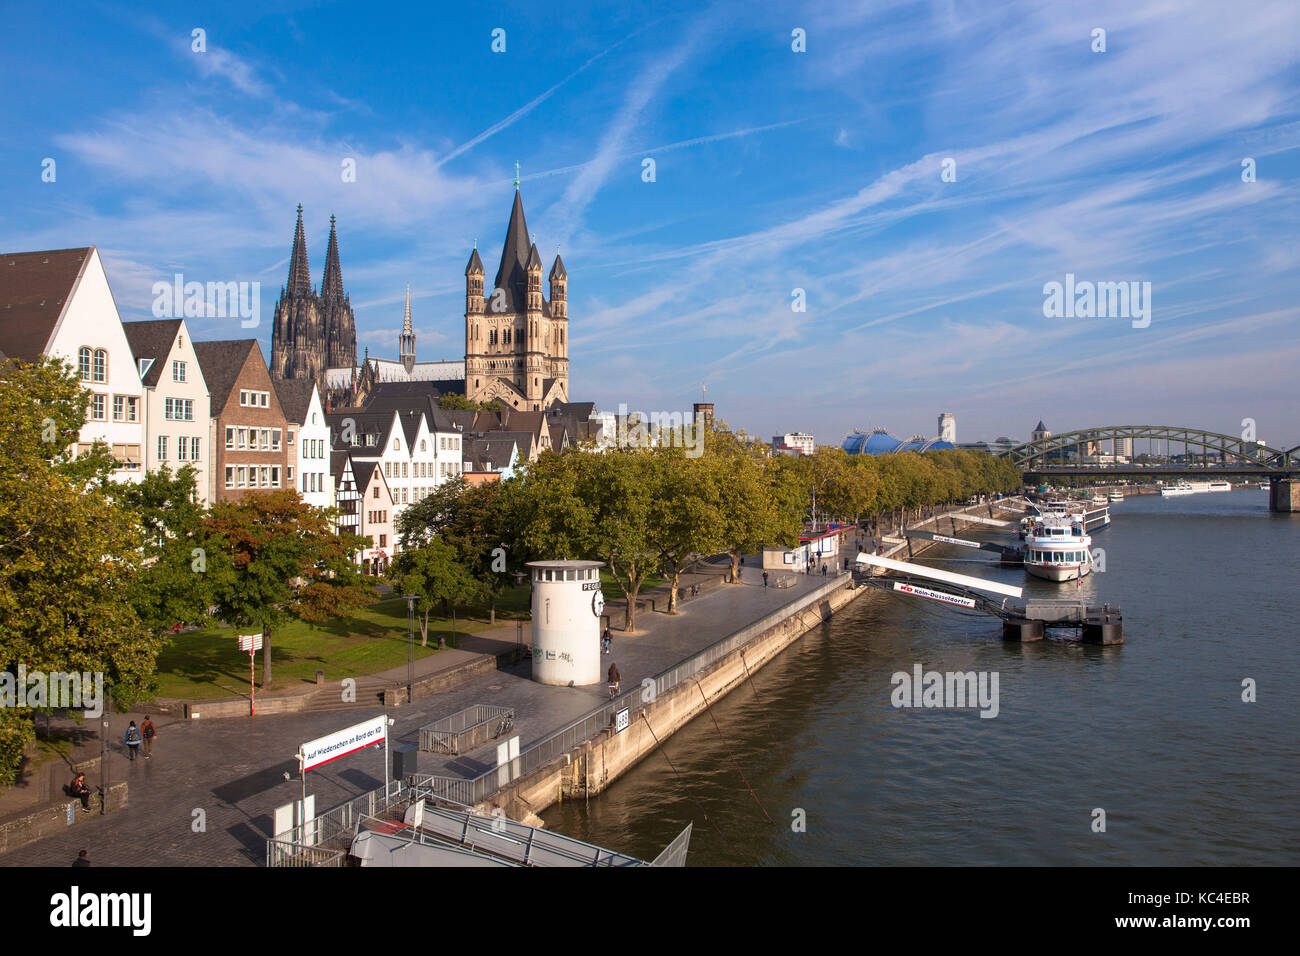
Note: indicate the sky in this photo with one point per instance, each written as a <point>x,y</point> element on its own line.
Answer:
<point>852,215</point>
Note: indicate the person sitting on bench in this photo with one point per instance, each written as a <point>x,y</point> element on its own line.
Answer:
<point>79,789</point>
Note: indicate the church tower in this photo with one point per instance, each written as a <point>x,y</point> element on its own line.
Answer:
<point>515,340</point>
<point>340,323</point>
<point>298,329</point>
<point>312,332</point>
<point>406,341</point>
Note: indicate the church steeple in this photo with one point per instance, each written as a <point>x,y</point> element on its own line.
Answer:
<point>512,274</point>
<point>331,285</point>
<point>299,275</point>
<point>406,342</point>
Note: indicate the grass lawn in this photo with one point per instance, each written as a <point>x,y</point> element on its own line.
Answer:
<point>208,663</point>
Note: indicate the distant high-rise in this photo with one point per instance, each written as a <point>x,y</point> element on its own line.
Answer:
<point>947,428</point>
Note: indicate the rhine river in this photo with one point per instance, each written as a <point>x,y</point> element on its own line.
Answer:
<point>1154,732</point>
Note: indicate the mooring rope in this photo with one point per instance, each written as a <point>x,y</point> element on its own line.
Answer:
<point>709,708</point>
<point>690,796</point>
<point>752,686</point>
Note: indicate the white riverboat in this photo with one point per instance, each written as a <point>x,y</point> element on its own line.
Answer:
<point>1098,500</point>
<point>1176,491</point>
<point>1058,549</point>
<point>1116,496</point>
<point>1194,488</point>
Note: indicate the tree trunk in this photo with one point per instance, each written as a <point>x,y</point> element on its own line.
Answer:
<point>735,565</point>
<point>266,657</point>
<point>629,616</point>
<point>492,610</point>
<point>424,629</point>
<point>672,594</point>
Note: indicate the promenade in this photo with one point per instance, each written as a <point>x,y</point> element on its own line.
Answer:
<point>234,769</point>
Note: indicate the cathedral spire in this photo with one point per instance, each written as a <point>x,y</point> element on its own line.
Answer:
<point>299,275</point>
<point>406,343</point>
<point>331,285</point>
<point>511,276</point>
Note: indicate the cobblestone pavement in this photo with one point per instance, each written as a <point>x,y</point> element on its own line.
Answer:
<point>236,771</point>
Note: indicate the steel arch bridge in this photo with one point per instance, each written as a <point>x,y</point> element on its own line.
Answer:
<point>1065,451</point>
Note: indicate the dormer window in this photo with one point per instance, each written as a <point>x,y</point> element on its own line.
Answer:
<point>145,365</point>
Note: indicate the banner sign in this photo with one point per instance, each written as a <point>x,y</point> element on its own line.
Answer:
<point>961,541</point>
<point>933,595</point>
<point>338,744</point>
<point>250,642</point>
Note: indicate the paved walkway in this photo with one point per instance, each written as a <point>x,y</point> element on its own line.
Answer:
<point>236,771</point>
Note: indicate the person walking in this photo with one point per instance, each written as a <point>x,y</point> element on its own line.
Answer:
<point>823,569</point>
<point>147,733</point>
<point>764,579</point>
<point>132,740</point>
<point>79,790</point>
<point>82,859</point>
<point>606,639</point>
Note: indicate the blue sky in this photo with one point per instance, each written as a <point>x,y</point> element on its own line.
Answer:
<point>775,170</point>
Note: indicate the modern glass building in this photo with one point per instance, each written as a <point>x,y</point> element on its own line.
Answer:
<point>880,442</point>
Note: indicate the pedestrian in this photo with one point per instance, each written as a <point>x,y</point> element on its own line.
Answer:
<point>742,560</point>
<point>147,733</point>
<point>764,579</point>
<point>132,740</point>
<point>606,639</point>
<point>79,790</point>
<point>823,569</point>
<point>615,680</point>
<point>82,859</point>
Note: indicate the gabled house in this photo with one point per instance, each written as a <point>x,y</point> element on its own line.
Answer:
<point>248,427</point>
<point>307,437</point>
<point>374,516</point>
<point>177,420</point>
<point>59,304</point>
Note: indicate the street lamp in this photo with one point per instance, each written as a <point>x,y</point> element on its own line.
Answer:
<point>410,647</point>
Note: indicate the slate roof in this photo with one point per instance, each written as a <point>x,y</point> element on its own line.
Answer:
<point>295,397</point>
<point>34,289</point>
<point>221,362</point>
<point>152,339</point>
<point>512,274</point>
<point>558,270</point>
<point>362,470</point>
<point>488,454</point>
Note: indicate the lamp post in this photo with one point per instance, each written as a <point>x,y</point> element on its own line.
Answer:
<point>410,647</point>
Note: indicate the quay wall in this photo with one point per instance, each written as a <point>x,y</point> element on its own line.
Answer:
<point>593,765</point>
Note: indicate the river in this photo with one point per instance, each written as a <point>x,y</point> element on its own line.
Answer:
<point>1154,732</point>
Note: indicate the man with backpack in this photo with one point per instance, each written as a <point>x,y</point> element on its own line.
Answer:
<point>147,733</point>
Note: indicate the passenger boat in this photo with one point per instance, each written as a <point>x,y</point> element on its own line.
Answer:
<point>1219,486</point>
<point>1116,496</point>
<point>1098,499</point>
<point>1058,549</point>
<point>1176,491</point>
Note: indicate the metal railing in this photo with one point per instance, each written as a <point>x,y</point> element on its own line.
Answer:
<point>302,843</point>
<point>466,730</point>
<point>474,790</point>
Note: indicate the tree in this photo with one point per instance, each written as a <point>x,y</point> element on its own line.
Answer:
<point>286,562</point>
<point>583,505</point>
<point>479,522</point>
<point>433,573</point>
<point>68,551</point>
<point>454,402</point>
<point>176,583</point>
<point>685,522</point>
<point>761,496</point>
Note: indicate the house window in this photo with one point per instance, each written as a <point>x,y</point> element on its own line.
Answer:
<point>421,444</point>
<point>100,367</point>
<point>119,408</point>
<point>275,439</point>
<point>162,447</point>
<point>265,398</point>
<point>288,439</point>
<point>241,477</point>
<point>376,492</point>
<point>388,469</point>
<point>230,476</point>
<point>182,448</point>
<point>275,476</point>
<point>83,363</point>
<point>230,437</point>
<point>194,449</point>
<point>178,370</point>
<point>98,407</point>
<point>132,409</point>
<point>405,469</point>
<point>396,443</point>
<point>383,540</point>
<point>243,438</point>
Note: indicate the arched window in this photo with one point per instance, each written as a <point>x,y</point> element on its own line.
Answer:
<point>83,363</point>
<point>100,373</point>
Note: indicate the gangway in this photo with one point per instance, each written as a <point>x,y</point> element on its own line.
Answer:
<point>1009,553</point>
<point>1020,622</point>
